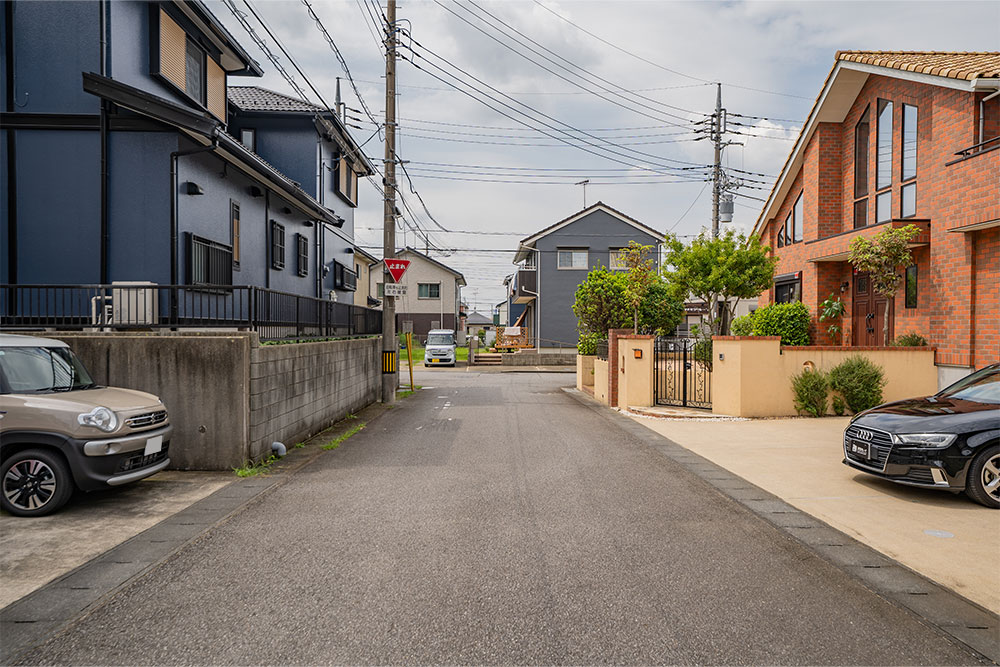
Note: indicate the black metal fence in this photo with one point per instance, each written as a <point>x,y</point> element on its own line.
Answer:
<point>145,306</point>
<point>679,378</point>
<point>602,350</point>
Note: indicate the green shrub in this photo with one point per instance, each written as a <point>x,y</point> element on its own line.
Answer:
<point>859,381</point>
<point>811,387</point>
<point>839,407</point>
<point>912,339</point>
<point>703,352</point>
<point>588,343</point>
<point>788,320</point>
<point>742,325</point>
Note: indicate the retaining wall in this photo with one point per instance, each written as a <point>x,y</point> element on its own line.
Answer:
<point>584,371</point>
<point>752,376</point>
<point>228,396</point>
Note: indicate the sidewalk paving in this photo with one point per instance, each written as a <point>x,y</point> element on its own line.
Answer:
<point>943,536</point>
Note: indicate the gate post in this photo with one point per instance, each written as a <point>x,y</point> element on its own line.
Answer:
<point>635,389</point>
<point>684,375</point>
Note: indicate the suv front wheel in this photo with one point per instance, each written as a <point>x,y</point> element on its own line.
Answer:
<point>35,483</point>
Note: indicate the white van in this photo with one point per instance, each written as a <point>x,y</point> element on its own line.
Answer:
<point>440,348</point>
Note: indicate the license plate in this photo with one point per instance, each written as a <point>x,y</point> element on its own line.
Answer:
<point>860,449</point>
<point>153,445</point>
<point>434,361</point>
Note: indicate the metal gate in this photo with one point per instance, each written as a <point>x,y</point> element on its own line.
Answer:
<point>679,378</point>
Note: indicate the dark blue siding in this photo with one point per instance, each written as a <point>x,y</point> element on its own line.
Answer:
<point>58,206</point>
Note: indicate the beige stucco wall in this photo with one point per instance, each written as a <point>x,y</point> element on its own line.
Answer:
<point>584,371</point>
<point>601,380</point>
<point>365,288</point>
<point>422,271</point>
<point>753,377</point>
<point>635,376</point>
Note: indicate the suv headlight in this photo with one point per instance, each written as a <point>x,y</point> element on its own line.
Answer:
<point>926,440</point>
<point>101,418</point>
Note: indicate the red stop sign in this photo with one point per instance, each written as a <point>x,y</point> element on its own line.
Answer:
<point>397,267</point>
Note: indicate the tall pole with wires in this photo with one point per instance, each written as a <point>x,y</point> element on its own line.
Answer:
<point>717,164</point>
<point>390,348</point>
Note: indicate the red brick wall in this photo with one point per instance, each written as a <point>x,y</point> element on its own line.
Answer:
<point>958,281</point>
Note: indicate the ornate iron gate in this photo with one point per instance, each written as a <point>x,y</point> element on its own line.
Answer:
<point>678,378</point>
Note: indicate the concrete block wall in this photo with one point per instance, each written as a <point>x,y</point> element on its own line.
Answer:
<point>300,389</point>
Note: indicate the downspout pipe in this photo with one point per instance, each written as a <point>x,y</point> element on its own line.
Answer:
<point>102,6</point>
<point>982,109</point>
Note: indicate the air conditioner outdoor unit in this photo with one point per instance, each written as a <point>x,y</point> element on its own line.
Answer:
<point>100,311</point>
<point>134,303</point>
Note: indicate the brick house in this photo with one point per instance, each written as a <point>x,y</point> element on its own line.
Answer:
<point>896,138</point>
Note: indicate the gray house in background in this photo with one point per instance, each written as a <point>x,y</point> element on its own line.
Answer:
<point>553,263</point>
<point>123,159</point>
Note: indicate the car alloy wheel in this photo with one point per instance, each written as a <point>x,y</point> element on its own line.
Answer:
<point>984,478</point>
<point>35,483</point>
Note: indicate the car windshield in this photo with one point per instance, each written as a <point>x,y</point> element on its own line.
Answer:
<point>440,339</point>
<point>981,387</point>
<point>38,370</point>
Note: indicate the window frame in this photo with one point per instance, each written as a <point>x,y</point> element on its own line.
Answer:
<point>277,246</point>
<point>429,296</point>
<point>796,288</point>
<point>252,146</point>
<point>214,264</point>
<point>903,189</point>
<point>883,209</point>
<point>883,105</point>
<point>586,259</point>
<point>234,232</point>
<point>301,254</point>
<point>191,44</point>
<point>911,269</point>
<point>798,224</point>
<point>614,257</point>
<point>861,175</point>
<point>903,178</point>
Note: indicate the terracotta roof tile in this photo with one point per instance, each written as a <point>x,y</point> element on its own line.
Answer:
<point>951,64</point>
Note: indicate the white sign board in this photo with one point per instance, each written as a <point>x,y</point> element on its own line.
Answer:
<point>394,289</point>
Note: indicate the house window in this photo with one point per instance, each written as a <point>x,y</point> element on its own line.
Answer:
<point>883,206</point>
<point>211,263</point>
<point>781,236</point>
<point>194,72</point>
<point>861,138</point>
<point>787,290</point>
<point>573,259</point>
<point>346,179</point>
<point>302,254</point>
<point>908,193</point>
<point>530,261</point>
<point>911,286</point>
<point>883,153</point>
<point>616,260</point>
<point>797,222</point>
<point>428,290</point>
<point>277,245</point>
<point>248,137</point>
<point>908,200</point>
<point>234,231</point>
<point>345,279</point>
<point>380,290</point>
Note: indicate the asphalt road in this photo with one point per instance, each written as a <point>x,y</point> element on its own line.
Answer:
<point>493,519</point>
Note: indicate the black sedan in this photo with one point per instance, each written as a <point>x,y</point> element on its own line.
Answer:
<point>949,441</point>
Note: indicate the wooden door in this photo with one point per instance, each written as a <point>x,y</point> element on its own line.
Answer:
<point>868,314</point>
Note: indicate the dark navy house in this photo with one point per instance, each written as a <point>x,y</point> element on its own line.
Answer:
<point>127,157</point>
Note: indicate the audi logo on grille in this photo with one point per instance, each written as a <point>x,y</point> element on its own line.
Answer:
<point>864,435</point>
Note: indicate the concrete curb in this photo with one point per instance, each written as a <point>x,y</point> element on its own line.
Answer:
<point>62,603</point>
<point>956,618</point>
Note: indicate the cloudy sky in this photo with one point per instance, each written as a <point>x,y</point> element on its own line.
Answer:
<point>626,85</point>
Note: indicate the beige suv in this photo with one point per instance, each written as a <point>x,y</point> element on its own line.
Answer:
<point>59,431</point>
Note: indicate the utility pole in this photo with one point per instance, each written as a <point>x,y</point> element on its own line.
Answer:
<point>717,129</point>
<point>390,347</point>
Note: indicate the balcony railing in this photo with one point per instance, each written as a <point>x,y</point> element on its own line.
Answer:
<point>976,149</point>
<point>146,306</point>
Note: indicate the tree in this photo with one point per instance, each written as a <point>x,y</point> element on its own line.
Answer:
<point>639,278</point>
<point>601,304</point>
<point>881,257</point>
<point>723,269</point>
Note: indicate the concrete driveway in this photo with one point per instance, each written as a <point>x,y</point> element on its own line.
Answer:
<point>945,537</point>
<point>33,552</point>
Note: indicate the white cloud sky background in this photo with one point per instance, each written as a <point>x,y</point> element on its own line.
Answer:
<point>785,48</point>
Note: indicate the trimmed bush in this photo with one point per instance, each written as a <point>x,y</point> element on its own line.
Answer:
<point>788,320</point>
<point>912,339</point>
<point>703,352</point>
<point>859,381</point>
<point>811,387</point>
<point>587,344</point>
<point>839,407</point>
<point>742,325</point>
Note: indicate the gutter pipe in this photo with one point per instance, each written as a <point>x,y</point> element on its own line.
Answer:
<point>174,186</point>
<point>982,108</point>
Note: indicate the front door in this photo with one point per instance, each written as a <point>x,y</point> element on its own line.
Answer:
<point>869,314</point>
